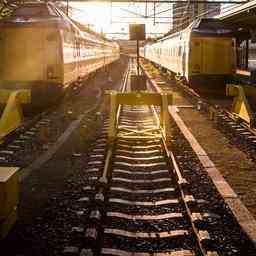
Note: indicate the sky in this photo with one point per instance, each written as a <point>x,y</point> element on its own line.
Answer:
<point>107,18</point>
<point>102,17</point>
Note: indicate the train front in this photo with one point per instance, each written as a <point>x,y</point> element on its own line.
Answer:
<point>211,57</point>
<point>29,49</point>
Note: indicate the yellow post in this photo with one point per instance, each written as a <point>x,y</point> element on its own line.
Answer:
<point>213,114</point>
<point>165,116</point>
<point>112,119</point>
<point>241,105</point>
<point>12,115</point>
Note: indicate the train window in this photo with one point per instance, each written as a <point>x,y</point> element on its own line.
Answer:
<point>67,36</point>
<point>32,11</point>
<point>52,37</point>
<point>179,53</point>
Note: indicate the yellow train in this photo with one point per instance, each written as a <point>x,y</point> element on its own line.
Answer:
<point>43,50</point>
<point>203,54</point>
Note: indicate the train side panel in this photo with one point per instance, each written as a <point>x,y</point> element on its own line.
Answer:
<point>171,53</point>
<point>82,57</point>
<point>43,50</point>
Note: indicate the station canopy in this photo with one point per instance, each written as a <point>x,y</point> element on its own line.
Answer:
<point>242,19</point>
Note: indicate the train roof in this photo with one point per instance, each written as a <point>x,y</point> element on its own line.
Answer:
<point>36,10</point>
<point>203,26</point>
<point>32,13</point>
<point>47,13</point>
<point>210,26</point>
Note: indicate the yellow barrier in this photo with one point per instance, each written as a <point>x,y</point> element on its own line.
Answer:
<point>139,98</point>
<point>241,106</point>
<point>12,115</point>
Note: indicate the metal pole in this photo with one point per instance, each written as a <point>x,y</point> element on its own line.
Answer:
<point>138,58</point>
<point>246,53</point>
<point>154,13</point>
<point>146,9</point>
<point>111,21</point>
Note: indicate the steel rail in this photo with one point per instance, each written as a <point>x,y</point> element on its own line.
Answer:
<point>180,181</point>
<point>217,108</point>
<point>243,216</point>
<point>182,184</point>
<point>104,178</point>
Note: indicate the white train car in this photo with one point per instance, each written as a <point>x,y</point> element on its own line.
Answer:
<point>43,50</point>
<point>203,54</point>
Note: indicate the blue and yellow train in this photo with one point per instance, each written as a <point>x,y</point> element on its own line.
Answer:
<point>203,54</point>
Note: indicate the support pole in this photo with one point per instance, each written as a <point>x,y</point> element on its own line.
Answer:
<point>111,5</point>
<point>165,116</point>
<point>154,13</point>
<point>67,7</point>
<point>113,120</point>
<point>146,9</point>
<point>138,58</point>
<point>246,54</point>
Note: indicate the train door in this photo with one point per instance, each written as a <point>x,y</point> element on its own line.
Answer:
<point>53,54</point>
<point>79,64</point>
<point>195,60</point>
<point>183,58</point>
<point>242,54</point>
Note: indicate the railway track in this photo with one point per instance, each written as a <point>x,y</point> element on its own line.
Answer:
<point>41,129</point>
<point>237,130</point>
<point>140,203</point>
<point>149,203</point>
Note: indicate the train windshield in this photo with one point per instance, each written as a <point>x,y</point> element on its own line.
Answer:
<point>33,11</point>
<point>210,26</point>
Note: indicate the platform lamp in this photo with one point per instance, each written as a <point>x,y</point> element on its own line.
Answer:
<point>137,32</point>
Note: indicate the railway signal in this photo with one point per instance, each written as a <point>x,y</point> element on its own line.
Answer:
<point>137,32</point>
